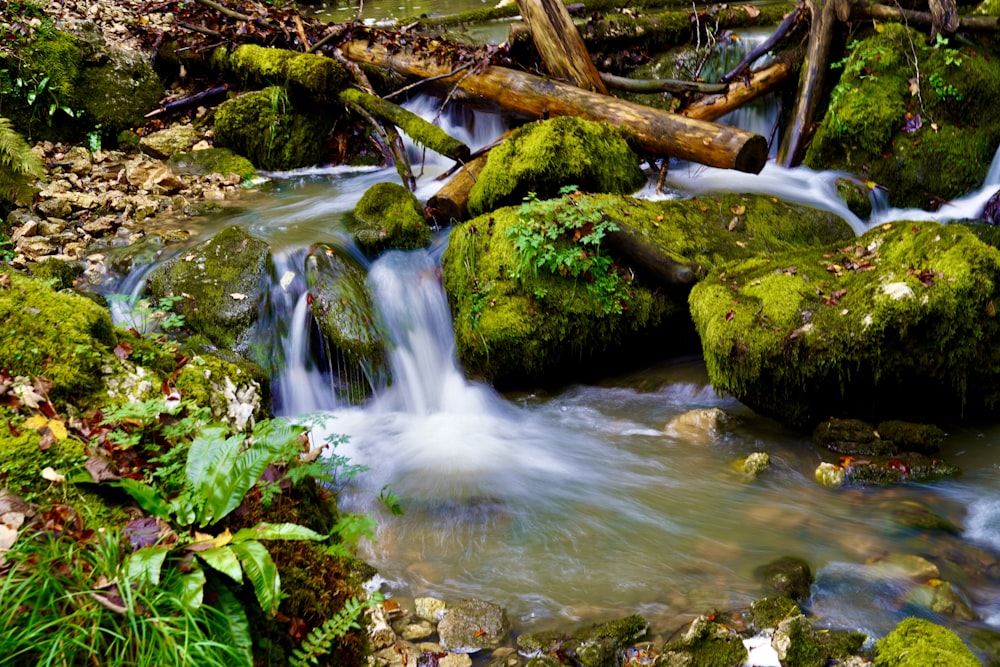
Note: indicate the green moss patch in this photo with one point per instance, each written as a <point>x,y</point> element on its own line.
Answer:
<point>926,148</point>
<point>388,216</point>
<point>919,643</point>
<point>544,156</point>
<point>899,323</point>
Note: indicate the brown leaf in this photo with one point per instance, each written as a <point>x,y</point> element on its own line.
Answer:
<point>101,470</point>
<point>751,11</point>
<point>123,351</point>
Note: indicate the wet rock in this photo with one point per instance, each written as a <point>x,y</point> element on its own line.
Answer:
<point>698,427</point>
<point>540,643</point>
<point>170,140</point>
<point>343,308</point>
<point>890,470</point>
<point>768,613</point>
<point>798,644</point>
<point>910,514</point>
<point>909,566</point>
<point>753,465</point>
<point>788,576</point>
<point>917,643</point>
<point>991,213</point>
<point>505,656</point>
<point>388,216</point>
<point>472,625</point>
<point>223,284</point>
<point>705,642</point>
<point>941,597</point>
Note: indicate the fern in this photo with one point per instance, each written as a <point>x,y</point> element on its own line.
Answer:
<point>18,165</point>
<point>320,640</point>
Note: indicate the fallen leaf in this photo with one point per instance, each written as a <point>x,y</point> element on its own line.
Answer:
<point>914,86</point>
<point>739,210</point>
<point>36,422</point>
<point>58,429</point>
<point>741,244</point>
<point>751,11</point>
<point>733,223</point>
<point>123,351</point>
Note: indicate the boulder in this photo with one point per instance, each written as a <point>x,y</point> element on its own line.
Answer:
<point>544,156</point>
<point>223,282</point>
<point>705,642</point>
<point>388,216</point>
<point>789,577</point>
<point>899,323</point>
<point>925,154</point>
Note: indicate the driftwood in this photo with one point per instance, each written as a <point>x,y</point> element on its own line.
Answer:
<point>558,42</point>
<point>652,131</point>
<point>189,100</point>
<point>422,132</point>
<point>451,202</point>
<point>673,86</point>
<point>739,93</point>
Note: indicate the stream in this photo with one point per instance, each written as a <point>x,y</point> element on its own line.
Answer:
<point>582,504</point>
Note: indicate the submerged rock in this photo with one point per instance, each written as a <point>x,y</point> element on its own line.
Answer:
<point>789,576</point>
<point>900,322</point>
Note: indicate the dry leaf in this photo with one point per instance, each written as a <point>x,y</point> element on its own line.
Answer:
<point>36,422</point>
<point>751,11</point>
<point>58,429</point>
<point>739,210</point>
<point>914,86</point>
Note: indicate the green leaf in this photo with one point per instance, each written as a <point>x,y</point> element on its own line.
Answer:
<point>232,485</point>
<point>224,560</point>
<point>211,454</point>
<point>190,588</point>
<point>149,499</point>
<point>276,531</point>
<point>262,573</point>
<point>144,565</point>
<point>230,624</point>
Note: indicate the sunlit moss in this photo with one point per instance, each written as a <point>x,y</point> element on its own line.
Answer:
<point>917,642</point>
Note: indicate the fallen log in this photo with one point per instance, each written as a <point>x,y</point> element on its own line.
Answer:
<point>422,132</point>
<point>761,83</point>
<point>648,260</point>
<point>450,204</point>
<point>651,130</point>
<point>923,20</point>
<point>558,42</point>
<point>779,34</point>
<point>651,86</point>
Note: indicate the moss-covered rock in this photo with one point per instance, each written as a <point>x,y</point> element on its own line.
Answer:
<point>871,128</point>
<point>342,306</point>
<point>788,576</point>
<point>916,642</point>
<point>231,392</point>
<point>64,337</point>
<point>704,644</point>
<point>64,85</point>
<point>900,323</point>
<point>544,156</point>
<point>388,216</point>
<point>513,331</point>
<point>267,128</point>
<point>223,281</point>
<point>855,436</point>
<point>767,613</point>
<point>798,644</point>
<point>212,161</point>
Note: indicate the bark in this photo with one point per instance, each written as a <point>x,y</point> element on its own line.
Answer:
<point>451,203</point>
<point>558,42</point>
<point>650,86</point>
<point>760,83</point>
<point>652,131</point>
<point>783,29</point>
<point>415,127</point>
<point>811,82</point>
<point>648,260</point>
<point>924,20</point>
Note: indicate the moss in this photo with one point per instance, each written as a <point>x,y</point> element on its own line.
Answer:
<point>863,133</point>
<point>212,161</point>
<point>704,644</point>
<point>225,280</point>
<point>919,643</point>
<point>266,128</point>
<point>622,631</point>
<point>58,273</point>
<point>805,646</point>
<point>62,336</point>
<point>787,576</point>
<point>513,332</point>
<point>924,438</point>
<point>307,76</point>
<point>388,216</point>
<point>767,613</point>
<point>544,156</point>
<point>232,393</point>
<point>897,324</point>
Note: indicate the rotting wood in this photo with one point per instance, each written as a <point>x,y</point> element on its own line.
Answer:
<point>648,260</point>
<point>559,43</point>
<point>651,86</point>
<point>451,203</point>
<point>650,130</point>
<point>922,20</point>
<point>421,131</point>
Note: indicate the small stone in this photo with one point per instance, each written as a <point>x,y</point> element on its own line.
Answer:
<point>58,207</point>
<point>830,475</point>
<point>430,609</point>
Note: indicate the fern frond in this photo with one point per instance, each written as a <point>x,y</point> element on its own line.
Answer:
<point>319,642</point>
<point>18,164</point>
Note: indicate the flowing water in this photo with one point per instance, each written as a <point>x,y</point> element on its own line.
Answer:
<point>586,503</point>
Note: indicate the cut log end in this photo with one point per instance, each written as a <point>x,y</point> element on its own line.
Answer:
<point>752,156</point>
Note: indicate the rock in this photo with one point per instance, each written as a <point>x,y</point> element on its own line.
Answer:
<point>767,613</point>
<point>700,426</point>
<point>705,642</point>
<point>380,633</point>
<point>471,625</point>
<point>544,156</point>
<point>80,159</point>
<point>223,281</point>
<point>830,475</point>
<point>890,470</point>
<point>794,351</point>
<point>168,141</point>
<point>753,464</point>
<point>152,176</point>
<point>798,644</point>
<point>788,576</point>
<point>388,216</point>
<point>213,161</point>
<point>941,597</point>
<point>413,630</point>
<point>430,609</point>
<point>58,207</point>
<point>911,514</point>
<point>909,566</point>
<point>991,213</point>
<point>917,643</point>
